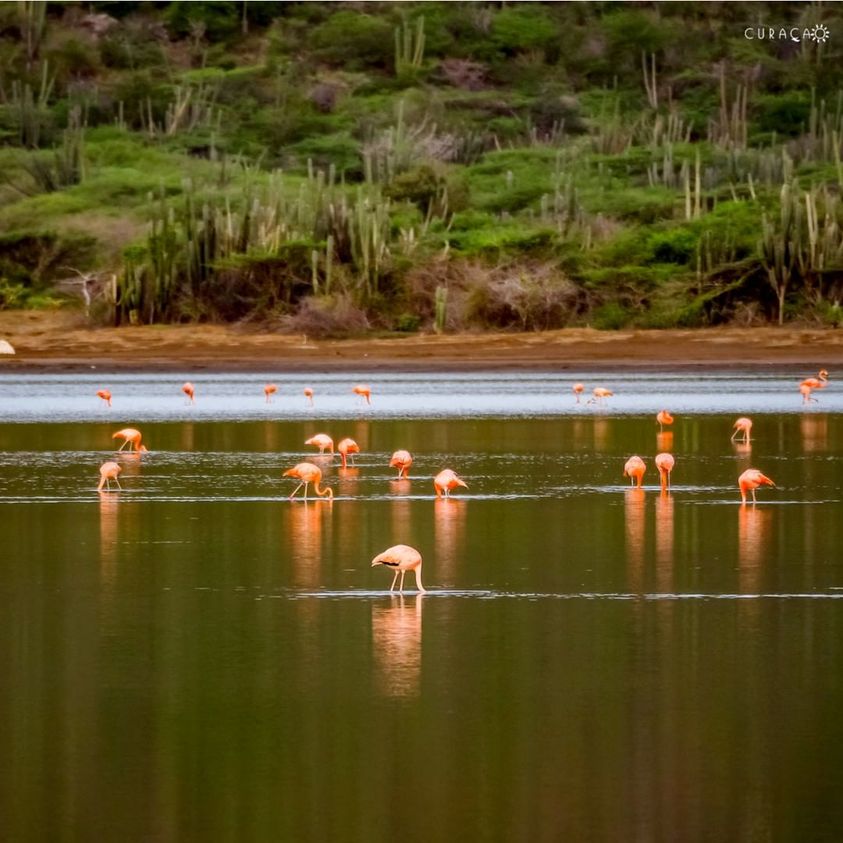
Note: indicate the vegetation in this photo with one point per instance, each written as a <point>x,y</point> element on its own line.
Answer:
<point>334,168</point>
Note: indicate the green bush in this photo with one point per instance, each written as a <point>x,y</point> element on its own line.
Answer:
<point>610,316</point>
<point>523,27</point>
<point>354,40</point>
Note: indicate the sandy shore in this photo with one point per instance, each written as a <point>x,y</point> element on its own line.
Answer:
<point>62,341</point>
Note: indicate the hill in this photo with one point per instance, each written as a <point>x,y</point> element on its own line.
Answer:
<point>343,168</point>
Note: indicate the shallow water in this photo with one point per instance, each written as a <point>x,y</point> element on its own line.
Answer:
<point>158,397</point>
<point>196,657</point>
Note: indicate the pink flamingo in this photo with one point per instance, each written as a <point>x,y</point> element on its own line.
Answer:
<point>665,463</point>
<point>109,472</point>
<point>308,473</point>
<point>347,448</point>
<point>190,391</point>
<point>742,425</point>
<point>599,393</point>
<point>750,480</point>
<point>402,460</point>
<point>810,384</point>
<point>269,390</point>
<point>130,437</point>
<point>445,481</point>
<point>634,469</point>
<point>308,393</point>
<point>402,558</point>
<point>663,418</point>
<point>322,441</point>
<point>105,395</point>
<point>578,390</point>
<point>363,390</point>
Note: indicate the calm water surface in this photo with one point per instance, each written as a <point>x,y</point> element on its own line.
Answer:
<point>198,658</point>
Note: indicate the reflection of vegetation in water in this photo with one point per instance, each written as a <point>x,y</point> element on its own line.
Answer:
<point>336,170</point>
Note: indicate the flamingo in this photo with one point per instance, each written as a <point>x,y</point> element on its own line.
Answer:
<point>402,558</point>
<point>130,437</point>
<point>742,425</point>
<point>363,390</point>
<point>750,480</point>
<point>321,441</point>
<point>445,481</point>
<point>663,418</point>
<point>105,395</point>
<point>308,473</point>
<point>810,384</point>
<point>664,463</point>
<point>269,390</point>
<point>634,469</point>
<point>346,448</point>
<point>109,472</point>
<point>598,394</point>
<point>189,390</point>
<point>308,393</point>
<point>578,390</point>
<point>402,460</point>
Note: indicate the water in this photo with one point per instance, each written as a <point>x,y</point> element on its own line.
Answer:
<point>198,658</point>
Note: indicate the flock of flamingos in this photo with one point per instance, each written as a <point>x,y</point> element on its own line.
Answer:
<point>403,558</point>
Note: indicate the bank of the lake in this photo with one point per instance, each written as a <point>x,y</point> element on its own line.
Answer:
<point>64,341</point>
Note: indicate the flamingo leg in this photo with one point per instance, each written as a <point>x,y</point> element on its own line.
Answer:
<point>305,489</point>
<point>394,580</point>
<point>401,587</point>
<point>296,490</point>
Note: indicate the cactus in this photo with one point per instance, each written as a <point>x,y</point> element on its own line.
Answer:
<point>409,45</point>
<point>441,305</point>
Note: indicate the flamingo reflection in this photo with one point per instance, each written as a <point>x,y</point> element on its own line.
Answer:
<point>109,507</point>
<point>753,533</point>
<point>634,506</point>
<point>304,526</point>
<point>664,441</point>
<point>814,432</point>
<point>664,542</point>
<point>449,516</point>
<point>397,645</point>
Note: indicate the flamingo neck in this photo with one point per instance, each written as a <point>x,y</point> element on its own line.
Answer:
<point>419,585</point>
<point>326,492</point>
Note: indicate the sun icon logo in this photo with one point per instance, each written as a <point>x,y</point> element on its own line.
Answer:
<point>820,33</point>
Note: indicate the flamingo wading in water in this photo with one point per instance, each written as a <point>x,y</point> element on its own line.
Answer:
<point>130,437</point>
<point>445,481</point>
<point>347,448</point>
<point>190,391</point>
<point>634,469</point>
<point>750,480</point>
<point>598,394</point>
<point>578,390</point>
<point>308,473</point>
<point>742,426</point>
<point>269,390</point>
<point>322,441</point>
<point>401,558</point>
<point>109,472</point>
<point>105,395</point>
<point>402,460</point>
<point>663,418</point>
<point>308,393</point>
<point>810,384</point>
<point>665,463</point>
<point>363,390</point>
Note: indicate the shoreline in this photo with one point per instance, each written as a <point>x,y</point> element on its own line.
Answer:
<point>55,342</point>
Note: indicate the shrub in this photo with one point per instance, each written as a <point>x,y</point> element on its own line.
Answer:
<point>326,316</point>
<point>523,27</point>
<point>610,316</point>
<point>355,40</point>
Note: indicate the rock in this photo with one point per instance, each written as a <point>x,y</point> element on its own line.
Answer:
<point>6,347</point>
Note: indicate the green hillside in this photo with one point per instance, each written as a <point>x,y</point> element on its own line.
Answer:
<point>337,168</point>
